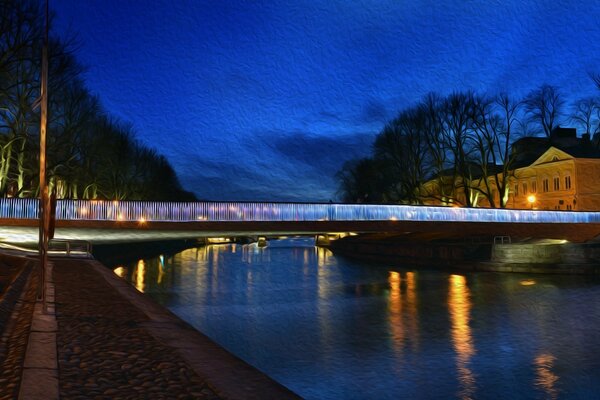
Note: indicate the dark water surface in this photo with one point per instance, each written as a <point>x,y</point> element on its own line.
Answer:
<point>331,328</point>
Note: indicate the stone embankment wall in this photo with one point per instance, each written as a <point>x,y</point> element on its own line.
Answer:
<point>567,258</point>
<point>397,251</point>
<point>572,258</point>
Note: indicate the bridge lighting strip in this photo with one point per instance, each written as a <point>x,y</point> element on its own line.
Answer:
<point>142,211</point>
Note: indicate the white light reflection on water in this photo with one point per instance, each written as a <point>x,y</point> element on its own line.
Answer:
<point>332,328</point>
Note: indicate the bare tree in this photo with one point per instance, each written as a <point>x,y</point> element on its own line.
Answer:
<point>20,28</point>
<point>545,107</point>
<point>441,188</point>
<point>89,155</point>
<point>72,120</point>
<point>360,181</point>
<point>457,112</point>
<point>496,125</point>
<point>401,146</point>
<point>596,79</point>
<point>586,113</point>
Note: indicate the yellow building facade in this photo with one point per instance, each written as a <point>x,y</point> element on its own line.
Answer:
<point>557,181</point>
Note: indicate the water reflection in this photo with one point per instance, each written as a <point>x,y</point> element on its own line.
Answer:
<point>459,305</point>
<point>403,309</point>
<point>332,328</point>
<point>546,379</point>
<point>161,269</point>
<point>412,308</point>
<point>121,271</point>
<point>252,253</point>
<point>395,307</point>
<point>139,278</point>
<point>202,253</point>
<point>324,287</point>
<point>323,256</point>
<point>323,271</point>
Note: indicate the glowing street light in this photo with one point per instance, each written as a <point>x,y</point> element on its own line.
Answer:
<point>531,199</point>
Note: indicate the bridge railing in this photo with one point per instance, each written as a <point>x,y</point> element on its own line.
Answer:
<point>97,210</point>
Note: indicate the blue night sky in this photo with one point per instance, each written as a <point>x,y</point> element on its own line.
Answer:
<point>265,100</point>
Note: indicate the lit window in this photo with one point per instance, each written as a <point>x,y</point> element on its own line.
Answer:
<point>545,185</point>
<point>567,182</point>
<point>556,183</point>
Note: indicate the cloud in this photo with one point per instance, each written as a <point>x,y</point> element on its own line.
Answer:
<point>275,166</point>
<point>374,111</point>
<point>321,151</point>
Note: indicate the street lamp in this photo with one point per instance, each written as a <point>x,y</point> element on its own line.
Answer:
<point>44,210</point>
<point>531,199</point>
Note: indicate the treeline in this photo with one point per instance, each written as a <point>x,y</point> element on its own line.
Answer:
<point>458,149</point>
<point>90,154</point>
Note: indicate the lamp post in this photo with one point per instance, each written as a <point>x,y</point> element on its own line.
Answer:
<point>44,198</point>
<point>531,199</point>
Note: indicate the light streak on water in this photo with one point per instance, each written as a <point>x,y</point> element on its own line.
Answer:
<point>144,211</point>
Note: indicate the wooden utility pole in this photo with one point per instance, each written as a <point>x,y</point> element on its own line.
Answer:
<point>44,198</point>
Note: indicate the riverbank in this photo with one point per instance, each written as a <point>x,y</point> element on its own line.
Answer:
<point>481,253</point>
<point>110,340</point>
<point>110,253</point>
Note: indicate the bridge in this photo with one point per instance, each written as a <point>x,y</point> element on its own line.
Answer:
<point>98,220</point>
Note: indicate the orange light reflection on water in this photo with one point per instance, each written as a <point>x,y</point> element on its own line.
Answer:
<point>139,276</point>
<point>546,379</point>
<point>412,307</point>
<point>161,269</point>
<point>403,307</point>
<point>459,306</point>
<point>323,256</point>
<point>395,307</point>
<point>120,271</point>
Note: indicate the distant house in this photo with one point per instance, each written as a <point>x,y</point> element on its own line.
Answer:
<point>565,176</point>
<point>557,173</point>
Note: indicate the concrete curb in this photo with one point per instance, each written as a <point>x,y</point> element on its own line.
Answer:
<point>40,369</point>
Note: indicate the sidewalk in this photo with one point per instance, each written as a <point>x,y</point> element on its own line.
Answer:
<point>17,302</point>
<point>110,341</point>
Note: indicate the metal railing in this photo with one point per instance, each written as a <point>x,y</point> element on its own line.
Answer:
<point>97,210</point>
<point>70,247</point>
<point>502,240</point>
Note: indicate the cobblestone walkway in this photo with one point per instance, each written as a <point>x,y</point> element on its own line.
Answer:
<point>104,352</point>
<point>16,307</point>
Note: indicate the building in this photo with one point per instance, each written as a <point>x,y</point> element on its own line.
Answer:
<point>557,173</point>
<point>566,176</point>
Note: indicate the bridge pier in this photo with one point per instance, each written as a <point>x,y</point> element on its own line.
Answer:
<point>322,240</point>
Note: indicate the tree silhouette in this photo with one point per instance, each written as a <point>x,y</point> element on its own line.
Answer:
<point>545,107</point>
<point>90,155</point>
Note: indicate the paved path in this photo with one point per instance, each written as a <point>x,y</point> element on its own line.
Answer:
<point>107,340</point>
<point>17,302</point>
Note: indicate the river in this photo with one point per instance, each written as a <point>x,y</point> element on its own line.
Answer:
<point>332,328</point>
